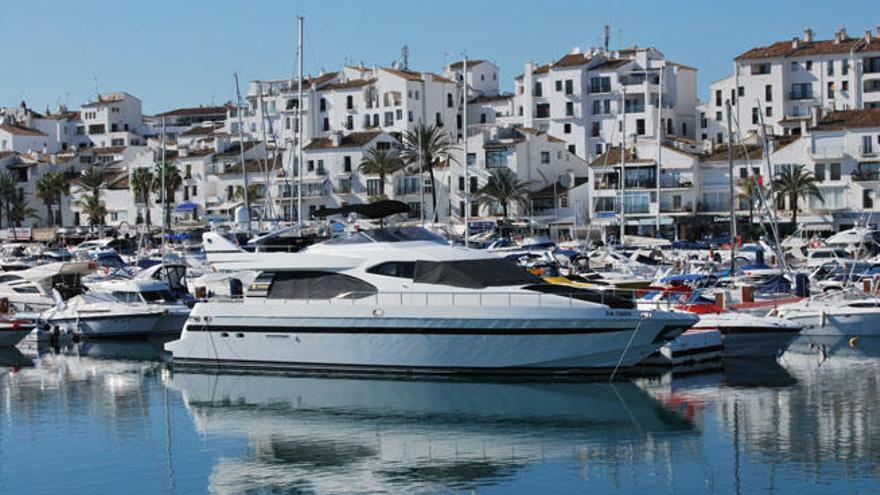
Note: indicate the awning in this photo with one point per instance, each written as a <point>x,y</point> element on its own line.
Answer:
<point>186,206</point>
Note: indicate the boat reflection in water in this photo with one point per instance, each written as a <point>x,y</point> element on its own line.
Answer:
<point>332,435</point>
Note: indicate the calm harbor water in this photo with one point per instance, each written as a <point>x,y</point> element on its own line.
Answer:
<point>108,417</point>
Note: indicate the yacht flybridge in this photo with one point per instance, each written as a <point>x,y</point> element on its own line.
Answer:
<point>403,300</point>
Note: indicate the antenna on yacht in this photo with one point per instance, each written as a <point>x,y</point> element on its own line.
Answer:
<point>247,203</point>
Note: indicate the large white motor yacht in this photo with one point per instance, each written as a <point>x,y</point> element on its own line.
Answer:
<point>403,300</point>
<point>31,289</point>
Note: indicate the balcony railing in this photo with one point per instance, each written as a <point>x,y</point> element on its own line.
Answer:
<point>798,95</point>
<point>827,153</point>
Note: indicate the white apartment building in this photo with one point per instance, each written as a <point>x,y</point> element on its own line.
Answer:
<point>788,79</point>
<point>582,96</point>
<point>113,119</point>
<point>21,139</point>
<point>482,76</point>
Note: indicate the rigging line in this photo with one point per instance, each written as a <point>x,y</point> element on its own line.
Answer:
<point>625,349</point>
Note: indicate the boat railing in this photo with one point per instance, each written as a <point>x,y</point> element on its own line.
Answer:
<point>453,299</point>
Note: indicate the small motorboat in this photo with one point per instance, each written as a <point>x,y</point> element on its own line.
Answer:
<point>14,330</point>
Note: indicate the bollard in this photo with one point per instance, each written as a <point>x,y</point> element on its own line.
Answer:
<point>748,293</point>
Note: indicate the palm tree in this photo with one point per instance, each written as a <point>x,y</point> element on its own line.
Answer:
<point>796,182</point>
<point>141,183</point>
<point>173,180</point>
<point>253,192</point>
<point>504,188</point>
<point>49,188</point>
<point>432,145</point>
<point>94,208</point>
<point>20,210</point>
<point>750,189</point>
<point>93,180</point>
<point>7,191</point>
<point>382,163</point>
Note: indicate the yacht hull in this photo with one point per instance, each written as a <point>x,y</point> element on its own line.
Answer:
<point>10,337</point>
<point>746,336</point>
<point>116,326</point>
<point>815,323</point>
<point>361,338</point>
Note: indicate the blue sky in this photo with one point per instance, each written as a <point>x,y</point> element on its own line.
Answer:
<point>183,52</point>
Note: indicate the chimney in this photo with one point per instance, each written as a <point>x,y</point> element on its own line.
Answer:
<point>839,36</point>
<point>183,151</point>
<point>795,42</point>
<point>808,35</point>
<point>336,139</point>
<point>868,37</point>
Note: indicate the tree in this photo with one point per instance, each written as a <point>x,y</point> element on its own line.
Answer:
<point>7,191</point>
<point>750,190</point>
<point>253,192</point>
<point>94,208</point>
<point>49,187</point>
<point>503,188</point>
<point>141,184</point>
<point>432,146</point>
<point>796,182</point>
<point>93,181</point>
<point>173,180</point>
<point>382,163</point>
<point>21,210</point>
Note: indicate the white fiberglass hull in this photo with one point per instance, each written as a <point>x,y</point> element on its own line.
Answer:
<point>836,322</point>
<point>357,337</point>
<point>746,336</point>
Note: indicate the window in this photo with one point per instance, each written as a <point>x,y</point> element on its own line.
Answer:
<point>545,157</point>
<point>718,116</point>
<point>741,91</point>
<point>594,129</point>
<point>835,171</point>
<point>311,166</point>
<point>640,127</point>
<point>496,159</point>
<point>600,84</point>
<point>569,108</point>
<point>867,146</point>
<point>704,122</point>
<point>475,186</point>
<point>830,68</point>
<point>768,111</point>
<point>844,86</point>
<point>768,93</point>
<point>801,91</point>
<point>566,129</point>
<point>572,149</point>
<point>349,102</point>
<point>597,107</point>
<point>809,65</point>
<point>542,111</point>
<point>537,90</point>
<point>399,269</point>
<point>719,138</point>
<point>374,187</point>
<point>844,67</point>
<point>471,159</point>
<point>461,183</point>
<point>389,119</point>
<point>449,102</point>
<point>718,101</point>
<point>559,85</point>
<point>483,118</point>
<point>598,149</point>
<point>743,173</point>
<point>569,87</point>
<point>868,198</point>
<point>669,129</point>
<point>755,118</point>
<point>438,119</point>
<point>316,285</point>
<point>326,124</point>
<point>820,172</point>
<point>830,92</point>
<point>410,116</point>
<point>346,164</point>
<point>794,66</point>
<point>349,122</point>
<point>323,105</point>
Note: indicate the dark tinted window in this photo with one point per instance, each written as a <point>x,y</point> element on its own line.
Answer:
<point>317,285</point>
<point>473,274</point>
<point>401,269</point>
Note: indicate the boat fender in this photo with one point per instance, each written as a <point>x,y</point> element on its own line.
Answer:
<point>853,342</point>
<point>378,313</point>
<point>822,319</point>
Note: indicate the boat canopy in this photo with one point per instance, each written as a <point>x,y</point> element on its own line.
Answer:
<point>388,234</point>
<point>379,209</point>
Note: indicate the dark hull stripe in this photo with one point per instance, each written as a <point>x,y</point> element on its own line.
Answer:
<point>697,350</point>
<point>377,369</point>
<point>414,331</point>
<point>735,330</point>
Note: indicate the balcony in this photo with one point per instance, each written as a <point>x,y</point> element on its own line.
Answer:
<point>827,153</point>
<point>800,95</point>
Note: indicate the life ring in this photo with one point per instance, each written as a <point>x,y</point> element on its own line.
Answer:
<point>853,342</point>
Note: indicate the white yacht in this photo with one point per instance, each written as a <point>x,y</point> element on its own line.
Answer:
<point>13,331</point>
<point>845,313</point>
<point>142,306</point>
<point>403,300</point>
<point>31,289</point>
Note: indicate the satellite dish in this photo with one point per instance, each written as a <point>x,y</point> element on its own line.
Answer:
<point>566,180</point>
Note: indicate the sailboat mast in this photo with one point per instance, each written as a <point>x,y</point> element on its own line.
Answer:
<point>731,190</point>
<point>267,203</point>
<point>467,168</point>
<point>164,191</point>
<point>622,165</point>
<point>300,126</point>
<point>247,204</point>
<point>659,142</point>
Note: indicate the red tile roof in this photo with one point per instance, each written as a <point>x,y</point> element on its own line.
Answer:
<point>459,65</point>
<point>351,140</point>
<point>17,130</point>
<point>850,119</point>
<point>350,84</point>
<point>786,48</point>
<point>193,111</point>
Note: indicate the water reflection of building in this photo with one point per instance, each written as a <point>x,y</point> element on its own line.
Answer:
<point>334,435</point>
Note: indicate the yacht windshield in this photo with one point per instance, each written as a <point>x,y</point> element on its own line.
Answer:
<point>389,234</point>
<point>473,274</point>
